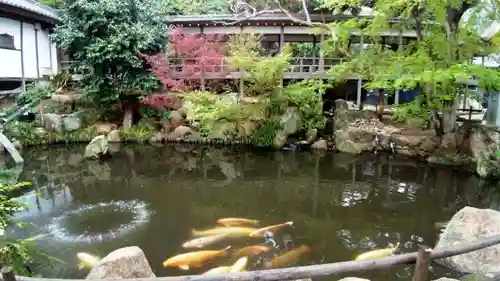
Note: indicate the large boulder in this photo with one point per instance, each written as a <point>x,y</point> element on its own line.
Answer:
<point>72,122</point>
<point>124,263</point>
<point>408,145</point>
<point>97,147</point>
<point>353,279</point>
<point>290,120</point>
<point>471,224</point>
<point>341,118</point>
<point>484,145</point>
<point>184,132</point>
<point>114,136</point>
<point>53,122</point>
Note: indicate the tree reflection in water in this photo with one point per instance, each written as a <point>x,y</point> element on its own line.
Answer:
<point>342,205</point>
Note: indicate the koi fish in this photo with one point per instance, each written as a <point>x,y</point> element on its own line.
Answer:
<point>87,260</point>
<point>204,241</point>
<point>252,250</point>
<point>229,231</point>
<point>218,270</point>
<point>236,222</point>
<point>272,228</point>
<point>288,257</point>
<point>240,265</point>
<point>377,254</point>
<point>194,259</point>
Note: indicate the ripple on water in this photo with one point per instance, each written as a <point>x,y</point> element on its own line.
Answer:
<point>138,214</point>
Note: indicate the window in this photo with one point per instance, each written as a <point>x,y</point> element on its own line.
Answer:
<point>7,41</point>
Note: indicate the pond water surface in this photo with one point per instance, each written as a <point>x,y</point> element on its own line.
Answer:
<point>153,197</point>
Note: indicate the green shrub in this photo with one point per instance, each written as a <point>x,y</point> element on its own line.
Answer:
<point>137,133</point>
<point>412,112</point>
<point>266,133</point>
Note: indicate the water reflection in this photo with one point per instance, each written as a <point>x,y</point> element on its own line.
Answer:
<point>341,205</point>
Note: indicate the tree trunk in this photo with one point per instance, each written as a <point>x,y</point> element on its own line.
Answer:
<point>449,117</point>
<point>381,104</point>
<point>128,117</point>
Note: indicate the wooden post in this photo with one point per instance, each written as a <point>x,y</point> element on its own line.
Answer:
<point>7,274</point>
<point>23,78</point>
<point>321,52</point>
<point>423,262</point>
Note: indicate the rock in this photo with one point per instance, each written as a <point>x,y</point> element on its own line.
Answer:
<point>17,144</point>
<point>114,136</point>
<point>483,145</point>
<point>429,144</point>
<point>353,279</point>
<point>223,130</point>
<point>97,147</point>
<point>53,122</point>
<point>184,132</point>
<point>341,118</point>
<point>290,120</point>
<point>158,137</point>
<point>446,279</point>
<point>247,128</point>
<point>321,144</point>
<point>104,128</point>
<point>72,122</point>
<point>408,145</point>
<point>448,143</point>
<point>471,224</point>
<point>40,132</point>
<point>175,118</point>
<point>124,263</point>
<point>279,139</point>
<point>311,135</point>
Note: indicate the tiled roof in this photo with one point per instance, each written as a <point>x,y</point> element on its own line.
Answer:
<point>32,6</point>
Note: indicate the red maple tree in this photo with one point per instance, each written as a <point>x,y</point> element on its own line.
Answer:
<point>190,57</point>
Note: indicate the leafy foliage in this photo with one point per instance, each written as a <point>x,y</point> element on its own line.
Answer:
<point>103,37</point>
<point>192,56</point>
<point>412,112</point>
<point>137,133</point>
<point>307,96</point>
<point>436,62</point>
<point>262,75</point>
<point>12,252</point>
<point>266,133</point>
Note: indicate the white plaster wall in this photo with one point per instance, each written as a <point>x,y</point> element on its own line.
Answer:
<point>44,49</point>
<point>10,60</point>
<point>55,66</point>
<point>29,51</point>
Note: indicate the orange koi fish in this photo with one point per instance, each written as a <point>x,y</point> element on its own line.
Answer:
<point>252,250</point>
<point>237,222</point>
<point>194,259</point>
<point>288,257</point>
<point>272,228</point>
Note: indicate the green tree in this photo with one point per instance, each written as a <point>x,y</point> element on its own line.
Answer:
<point>438,62</point>
<point>103,38</point>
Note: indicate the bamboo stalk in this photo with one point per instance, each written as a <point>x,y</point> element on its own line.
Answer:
<point>315,270</point>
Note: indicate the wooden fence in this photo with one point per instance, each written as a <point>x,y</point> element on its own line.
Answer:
<point>423,259</point>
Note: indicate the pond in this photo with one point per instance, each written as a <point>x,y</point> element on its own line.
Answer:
<point>153,197</point>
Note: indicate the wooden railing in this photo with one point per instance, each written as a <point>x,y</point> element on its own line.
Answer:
<point>423,258</point>
<point>299,65</point>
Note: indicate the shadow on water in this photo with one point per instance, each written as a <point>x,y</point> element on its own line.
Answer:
<point>153,197</point>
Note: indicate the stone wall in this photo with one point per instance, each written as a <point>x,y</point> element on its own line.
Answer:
<point>474,147</point>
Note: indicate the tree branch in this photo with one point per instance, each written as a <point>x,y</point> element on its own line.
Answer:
<point>304,7</point>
